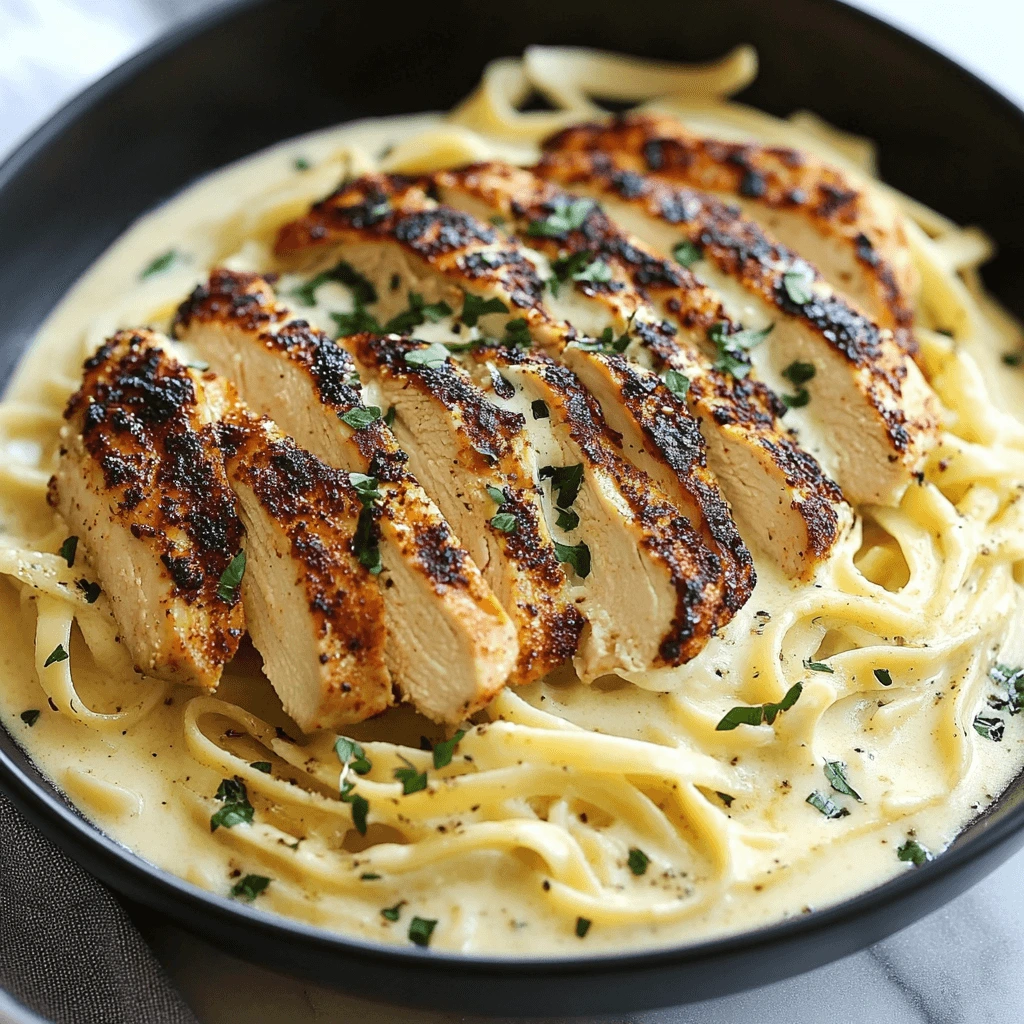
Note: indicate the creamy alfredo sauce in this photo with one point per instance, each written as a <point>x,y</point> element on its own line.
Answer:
<point>920,770</point>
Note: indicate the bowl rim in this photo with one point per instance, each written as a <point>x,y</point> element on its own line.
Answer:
<point>40,801</point>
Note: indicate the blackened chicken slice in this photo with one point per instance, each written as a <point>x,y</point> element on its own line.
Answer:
<point>602,278</point>
<point>452,646</point>
<point>472,457</point>
<point>864,391</point>
<point>141,481</point>
<point>651,587</point>
<point>314,612</point>
<point>853,234</point>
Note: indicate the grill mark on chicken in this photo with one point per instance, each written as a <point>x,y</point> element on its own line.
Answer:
<point>666,534</point>
<point>776,178</point>
<point>137,418</point>
<point>548,623</point>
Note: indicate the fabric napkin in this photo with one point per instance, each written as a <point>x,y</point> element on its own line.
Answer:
<point>68,950</point>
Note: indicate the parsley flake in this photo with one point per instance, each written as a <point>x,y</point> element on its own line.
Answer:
<point>567,520</point>
<point>162,262</point>
<point>578,556</point>
<point>913,852</point>
<point>360,806</point>
<point>389,416</point>
<point>475,307</point>
<point>506,522</point>
<point>760,712</point>
<point>68,549</point>
<point>827,807</point>
<point>369,876</point>
<point>363,291</point>
<point>638,861</point>
<point>250,887</point>
<point>582,927</point>
<point>883,676</point>
<point>356,322</point>
<point>364,543</point>
<point>300,163</point>
<point>540,410</point>
<point>687,253</point>
<point>497,495</point>
<point>89,589</point>
<point>797,285</point>
<point>57,655</point>
<point>1012,358</point>
<point>818,666</point>
<point>236,810</point>
<point>678,383</point>
<point>351,755</point>
<point>1013,679</point>
<point>565,482</point>
<point>429,358</point>
<point>361,416</point>
<point>419,312</point>
<point>725,798</point>
<point>990,728</point>
<point>30,717</point>
<point>835,772</point>
<point>517,334</point>
<point>262,766</point>
<point>231,579</point>
<point>566,215</point>
<point>445,749</point>
<point>412,781</point>
<point>393,913</point>
<point>731,348</point>
<point>420,930</point>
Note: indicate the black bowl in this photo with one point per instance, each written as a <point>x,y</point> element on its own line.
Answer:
<point>258,72</point>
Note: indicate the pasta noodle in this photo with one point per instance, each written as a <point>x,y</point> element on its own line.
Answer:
<point>620,805</point>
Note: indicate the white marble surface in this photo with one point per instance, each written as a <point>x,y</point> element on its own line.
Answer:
<point>961,965</point>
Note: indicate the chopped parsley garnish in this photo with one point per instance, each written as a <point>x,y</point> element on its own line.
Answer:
<point>797,284</point>
<point>369,876</point>
<point>445,749</point>
<point>760,712</point>
<point>430,358</point>
<point>567,519</point>
<point>360,806</point>
<point>678,383</point>
<point>725,798</point>
<point>57,655</point>
<point>565,482</point>
<point>262,766</point>
<point>30,717</point>
<point>598,272</point>
<point>351,755</point>
<point>236,810</point>
<point>582,927</point>
<point>89,589</point>
<point>420,930</point>
<point>231,578</point>
<point>638,861</point>
<point>607,342</point>
<point>818,666</point>
<point>826,806</point>
<point>300,163</point>
<point>883,676</point>
<point>359,416</point>
<point>798,374</point>
<point>412,781</point>
<point>497,495</point>
<point>731,347</point>
<point>687,253</point>
<point>914,852</point>
<point>68,549</point>
<point>160,264</point>
<point>363,292</point>
<point>1012,358</point>
<point>567,267</point>
<point>475,307</point>
<point>506,522</point>
<point>517,334</point>
<point>393,913</point>
<point>364,543</point>
<point>1013,679</point>
<point>356,322</point>
<point>419,312</point>
<point>990,728</point>
<point>578,556</point>
<point>250,887</point>
<point>389,416</point>
<point>566,215</point>
<point>540,410</point>
<point>835,772</point>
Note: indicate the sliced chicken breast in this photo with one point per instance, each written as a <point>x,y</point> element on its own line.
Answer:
<point>854,234</point>
<point>452,646</point>
<point>863,390</point>
<point>756,462</point>
<point>141,482</point>
<point>314,612</point>
<point>472,457</point>
<point>651,587</point>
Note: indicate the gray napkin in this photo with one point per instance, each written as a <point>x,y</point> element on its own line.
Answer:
<point>68,950</point>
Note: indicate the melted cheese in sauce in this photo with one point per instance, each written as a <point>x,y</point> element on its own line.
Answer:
<point>569,778</point>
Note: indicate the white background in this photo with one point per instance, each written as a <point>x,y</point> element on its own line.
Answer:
<point>962,965</point>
